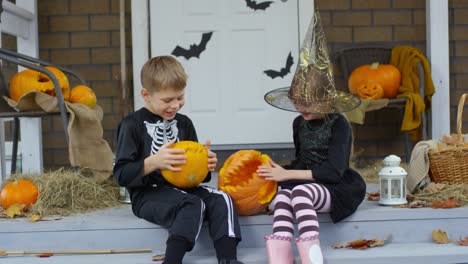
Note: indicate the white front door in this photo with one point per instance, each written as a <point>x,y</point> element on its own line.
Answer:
<point>235,42</point>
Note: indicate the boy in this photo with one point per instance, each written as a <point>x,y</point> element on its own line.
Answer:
<point>143,149</point>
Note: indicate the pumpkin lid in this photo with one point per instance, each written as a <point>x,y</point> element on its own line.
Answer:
<point>313,87</point>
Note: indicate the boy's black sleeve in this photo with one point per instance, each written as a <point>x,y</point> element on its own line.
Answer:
<point>128,168</point>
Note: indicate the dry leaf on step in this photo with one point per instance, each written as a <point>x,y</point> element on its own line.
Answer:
<point>463,242</point>
<point>440,237</point>
<point>375,196</point>
<point>360,243</point>
<point>15,210</point>
<point>34,218</point>
<point>418,204</point>
<point>452,203</point>
<point>159,257</point>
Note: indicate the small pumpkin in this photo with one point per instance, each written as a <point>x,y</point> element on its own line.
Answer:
<point>83,94</point>
<point>371,90</point>
<point>387,75</point>
<point>31,80</point>
<point>194,171</point>
<point>19,192</point>
<point>238,178</point>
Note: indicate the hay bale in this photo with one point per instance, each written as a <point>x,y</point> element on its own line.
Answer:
<point>65,192</point>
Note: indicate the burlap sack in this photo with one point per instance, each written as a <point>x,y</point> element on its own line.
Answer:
<point>87,148</point>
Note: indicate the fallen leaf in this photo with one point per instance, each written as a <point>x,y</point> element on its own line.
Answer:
<point>452,203</point>
<point>15,210</point>
<point>440,237</point>
<point>418,204</point>
<point>360,244</point>
<point>340,245</point>
<point>376,242</point>
<point>45,255</point>
<point>463,242</point>
<point>35,218</point>
<point>373,196</point>
<point>159,257</point>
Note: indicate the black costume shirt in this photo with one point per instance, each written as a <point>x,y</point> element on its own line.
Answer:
<point>140,135</point>
<point>324,147</point>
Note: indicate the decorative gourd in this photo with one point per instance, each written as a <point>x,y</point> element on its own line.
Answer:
<point>84,95</point>
<point>31,80</point>
<point>387,75</point>
<point>194,171</point>
<point>371,90</point>
<point>18,192</point>
<point>238,178</point>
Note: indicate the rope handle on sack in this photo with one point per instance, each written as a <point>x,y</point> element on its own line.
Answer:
<point>461,104</point>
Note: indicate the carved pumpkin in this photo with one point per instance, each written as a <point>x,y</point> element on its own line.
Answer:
<point>84,95</point>
<point>238,178</point>
<point>194,171</point>
<point>387,75</point>
<point>371,90</point>
<point>31,80</point>
<point>18,192</point>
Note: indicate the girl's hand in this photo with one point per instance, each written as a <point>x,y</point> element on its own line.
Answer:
<point>272,172</point>
<point>212,160</point>
<point>165,158</point>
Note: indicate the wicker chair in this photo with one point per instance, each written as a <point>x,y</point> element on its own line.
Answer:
<point>8,112</point>
<point>350,58</point>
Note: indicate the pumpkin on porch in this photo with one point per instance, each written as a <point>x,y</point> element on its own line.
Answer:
<point>387,75</point>
<point>194,171</point>
<point>18,192</point>
<point>31,80</point>
<point>238,178</point>
<point>83,94</point>
<point>371,90</point>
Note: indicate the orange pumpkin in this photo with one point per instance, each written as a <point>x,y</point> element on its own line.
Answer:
<point>371,90</point>
<point>31,80</point>
<point>238,178</point>
<point>194,171</point>
<point>82,94</point>
<point>18,192</point>
<point>387,75</point>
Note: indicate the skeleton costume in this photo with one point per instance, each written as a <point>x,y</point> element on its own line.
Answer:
<point>182,212</point>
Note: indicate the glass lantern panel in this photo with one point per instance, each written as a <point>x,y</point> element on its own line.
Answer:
<point>384,188</point>
<point>396,188</point>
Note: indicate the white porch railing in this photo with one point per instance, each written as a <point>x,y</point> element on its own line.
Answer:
<point>20,20</point>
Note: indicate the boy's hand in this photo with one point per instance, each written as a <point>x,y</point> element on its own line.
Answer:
<point>165,158</point>
<point>212,160</point>
<point>272,172</point>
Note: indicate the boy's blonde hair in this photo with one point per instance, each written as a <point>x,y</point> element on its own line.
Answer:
<point>163,72</point>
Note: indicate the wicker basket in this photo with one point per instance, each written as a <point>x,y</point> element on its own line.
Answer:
<point>450,164</point>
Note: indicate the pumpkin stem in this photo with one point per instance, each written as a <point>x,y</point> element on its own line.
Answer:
<point>374,66</point>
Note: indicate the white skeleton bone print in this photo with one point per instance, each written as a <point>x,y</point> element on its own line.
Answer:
<point>161,132</point>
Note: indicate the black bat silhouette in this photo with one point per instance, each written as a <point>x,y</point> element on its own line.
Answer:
<point>260,6</point>
<point>284,71</point>
<point>195,49</point>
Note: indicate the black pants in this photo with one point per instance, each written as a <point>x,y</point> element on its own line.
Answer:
<point>182,212</point>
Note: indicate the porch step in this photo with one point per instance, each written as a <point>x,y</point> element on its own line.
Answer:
<point>414,253</point>
<point>407,231</point>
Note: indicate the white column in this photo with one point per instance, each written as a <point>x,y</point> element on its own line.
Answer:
<point>140,45</point>
<point>31,128</point>
<point>438,54</point>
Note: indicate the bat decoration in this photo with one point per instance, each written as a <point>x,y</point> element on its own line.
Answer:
<point>252,4</point>
<point>284,71</point>
<point>195,49</point>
